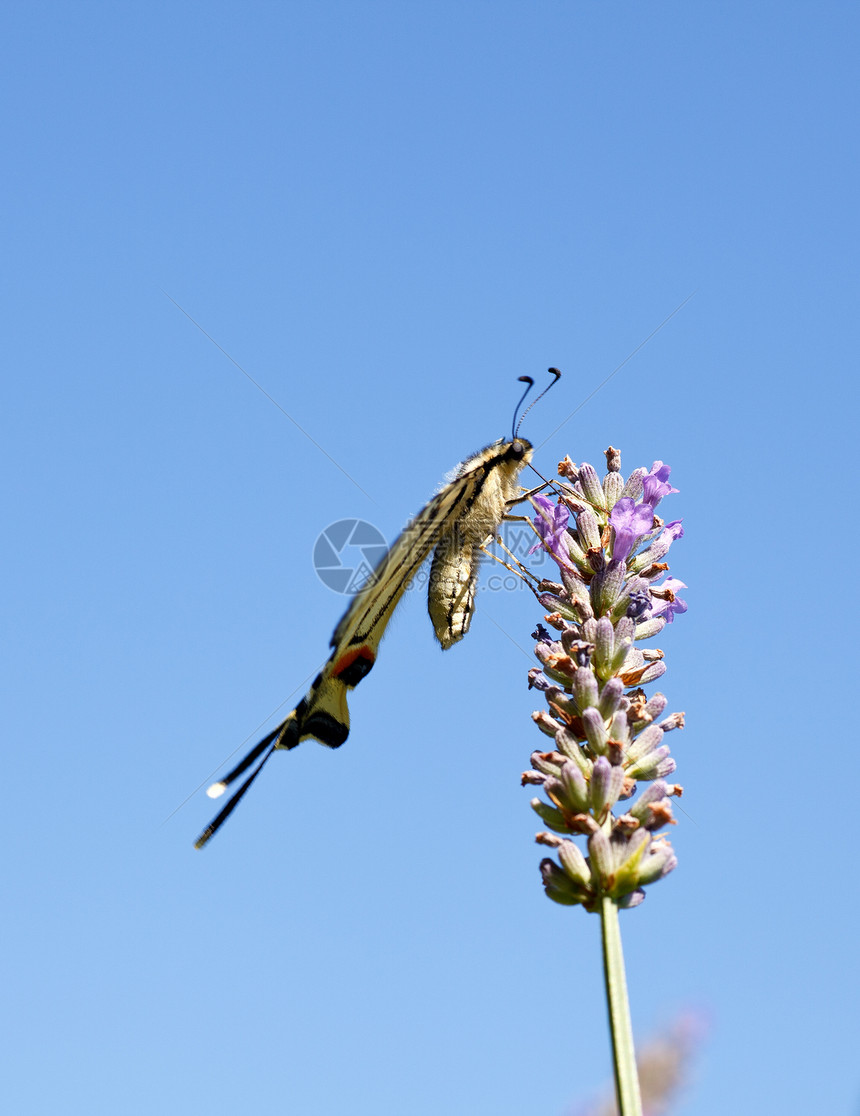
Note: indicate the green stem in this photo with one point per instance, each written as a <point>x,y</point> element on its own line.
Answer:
<point>624,1057</point>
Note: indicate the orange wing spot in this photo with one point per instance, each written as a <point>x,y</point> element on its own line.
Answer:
<point>354,665</point>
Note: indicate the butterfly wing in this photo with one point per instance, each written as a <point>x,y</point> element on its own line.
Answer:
<point>456,521</point>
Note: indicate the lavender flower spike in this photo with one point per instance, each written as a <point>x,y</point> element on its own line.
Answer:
<point>609,545</point>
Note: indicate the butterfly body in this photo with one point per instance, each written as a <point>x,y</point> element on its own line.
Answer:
<point>454,571</point>
<point>455,523</point>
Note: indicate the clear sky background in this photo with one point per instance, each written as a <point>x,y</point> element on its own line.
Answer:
<point>386,212</point>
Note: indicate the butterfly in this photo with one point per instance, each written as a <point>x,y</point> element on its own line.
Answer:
<point>455,524</point>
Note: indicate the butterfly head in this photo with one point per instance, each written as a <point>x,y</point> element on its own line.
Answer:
<point>519,450</point>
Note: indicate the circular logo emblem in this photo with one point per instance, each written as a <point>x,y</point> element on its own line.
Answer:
<point>347,553</point>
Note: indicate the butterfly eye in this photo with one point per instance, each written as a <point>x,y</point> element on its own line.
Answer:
<point>518,450</point>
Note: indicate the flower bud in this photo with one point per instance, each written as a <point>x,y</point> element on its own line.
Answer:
<point>574,863</point>
<point>656,765</point>
<point>611,697</point>
<point>633,661</point>
<point>619,728</point>
<point>595,730</point>
<point>629,852</point>
<point>606,784</point>
<point>589,530</point>
<point>649,628</point>
<point>549,815</point>
<point>653,796</point>
<point>659,862</point>
<point>620,653</point>
<point>559,701</point>
<point>544,722</point>
<point>584,686</point>
<point>574,787</point>
<point>633,485</point>
<point>569,746</point>
<point>604,646</point>
<point>575,552</point>
<point>652,673</point>
<point>559,886</point>
<point>613,486</point>
<point>656,704</point>
<point>569,791</point>
<point>549,763</point>
<point>591,487</point>
<point>577,590</point>
<point>608,586</point>
<point>602,856</point>
<point>647,740</point>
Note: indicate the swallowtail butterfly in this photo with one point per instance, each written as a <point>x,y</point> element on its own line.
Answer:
<point>459,519</point>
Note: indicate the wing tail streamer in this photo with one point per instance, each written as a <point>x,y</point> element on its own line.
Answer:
<point>234,800</point>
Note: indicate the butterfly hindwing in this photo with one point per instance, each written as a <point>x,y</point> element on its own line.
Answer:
<point>493,475</point>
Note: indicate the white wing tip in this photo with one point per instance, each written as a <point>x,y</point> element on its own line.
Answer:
<point>216,790</point>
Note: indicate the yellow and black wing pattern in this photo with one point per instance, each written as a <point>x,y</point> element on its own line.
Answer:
<point>466,510</point>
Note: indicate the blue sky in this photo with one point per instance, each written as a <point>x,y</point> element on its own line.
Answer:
<point>386,213</point>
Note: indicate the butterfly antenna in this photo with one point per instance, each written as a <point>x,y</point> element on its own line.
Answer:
<point>527,379</point>
<point>529,382</point>
<point>234,800</point>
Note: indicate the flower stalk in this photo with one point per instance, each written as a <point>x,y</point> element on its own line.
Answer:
<point>620,1027</point>
<point>607,734</point>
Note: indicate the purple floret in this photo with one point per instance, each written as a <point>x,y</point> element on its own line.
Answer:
<point>551,523</point>
<point>631,521</point>
<point>656,484</point>
<point>668,609</point>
